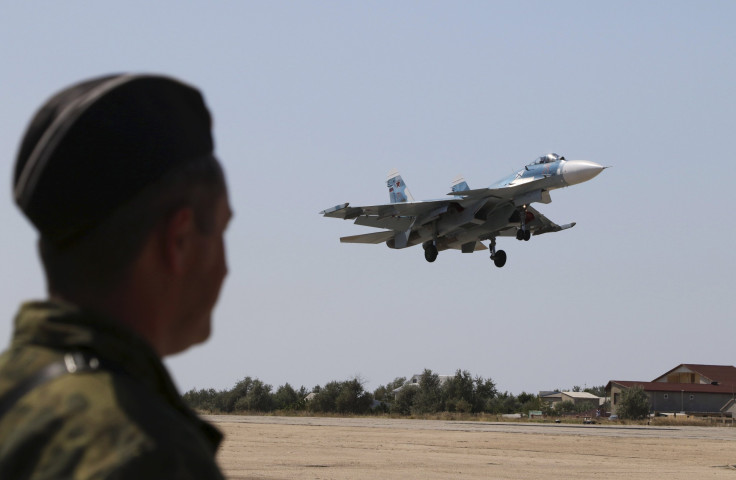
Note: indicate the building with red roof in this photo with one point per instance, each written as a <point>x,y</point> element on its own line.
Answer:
<point>691,388</point>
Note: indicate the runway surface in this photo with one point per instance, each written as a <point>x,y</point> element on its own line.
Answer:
<point>362,448</point>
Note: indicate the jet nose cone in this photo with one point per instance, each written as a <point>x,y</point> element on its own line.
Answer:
<point>579,171</point>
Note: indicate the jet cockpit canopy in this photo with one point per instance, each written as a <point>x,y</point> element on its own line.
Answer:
<point>549,158</point>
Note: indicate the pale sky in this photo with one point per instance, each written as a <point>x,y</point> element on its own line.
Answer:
<point>314,102</point>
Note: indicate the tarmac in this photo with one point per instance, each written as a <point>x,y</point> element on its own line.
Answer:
<point>362,448</point>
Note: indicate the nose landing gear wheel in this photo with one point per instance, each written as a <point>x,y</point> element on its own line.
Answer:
<point>430,253</point>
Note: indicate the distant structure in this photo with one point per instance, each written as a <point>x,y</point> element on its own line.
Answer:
<point>554,397</point>
<point>582,397</point>
<point>415,379</point>
<point>694,389</point>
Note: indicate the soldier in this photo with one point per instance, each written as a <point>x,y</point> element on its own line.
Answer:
<point>118,176</point>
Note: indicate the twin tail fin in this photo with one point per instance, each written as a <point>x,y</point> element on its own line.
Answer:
<point>459,184</point>
<point>397,191</point>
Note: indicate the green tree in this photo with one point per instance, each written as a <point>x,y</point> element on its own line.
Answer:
<point>342,397</point>
<point>352,398</point>
<point>485,392</point>
<point>503,403</point>
<point>286,398</point>
<point>325,399</point>
<point>585,407</point>
<point>228,398</point>
<point>429,399</point>
<point>385,393</point>
<point>201,399</point>
<point>404,400</point>
<point>524,397</point>
<point>463,393</point>
<point>459,392</point>
<point>460,387</point>
<point>599,391</point>
<point>565,407</point>
<point>634,404</point>
<point>257,399</point>
<point>529,401</point>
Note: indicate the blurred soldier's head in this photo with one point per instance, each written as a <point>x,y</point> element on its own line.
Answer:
<point>118,176</point>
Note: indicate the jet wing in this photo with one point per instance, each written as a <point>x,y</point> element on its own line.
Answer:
<point>542,224</point>
<point>396,216</point>
<point>502,193</point>
<point>519,194</point>
<point>344,211</point>
<point>406,209</point>
<point>374,238</point>
<point>399,224</point>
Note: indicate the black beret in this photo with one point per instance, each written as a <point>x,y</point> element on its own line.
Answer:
<point>95,144</point>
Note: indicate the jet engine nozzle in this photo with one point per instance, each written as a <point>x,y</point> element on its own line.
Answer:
<point>579,171</point>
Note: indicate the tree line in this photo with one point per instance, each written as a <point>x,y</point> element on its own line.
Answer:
<point>462,393</point>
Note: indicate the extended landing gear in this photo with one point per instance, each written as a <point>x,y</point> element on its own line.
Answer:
<point>430,251</point>
<point>524,233</point>
<point>498,257</point>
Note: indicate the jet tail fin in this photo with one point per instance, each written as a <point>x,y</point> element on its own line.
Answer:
<point>459,184</point>
<point>397,191</point>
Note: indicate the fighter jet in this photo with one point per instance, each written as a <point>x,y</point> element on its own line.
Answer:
<point>468,217</point>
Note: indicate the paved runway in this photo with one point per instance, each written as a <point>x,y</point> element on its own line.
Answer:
<point>368,448</point>
<point>727,433</point>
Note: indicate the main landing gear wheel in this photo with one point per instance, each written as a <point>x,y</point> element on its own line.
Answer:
<point>523,234</point>
<point>430,253</point>
<point>499,258</point>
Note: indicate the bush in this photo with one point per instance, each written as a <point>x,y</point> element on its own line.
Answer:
<point>258,398</point>
<point>529,401</point>
<point>342,397</point>
<point>485,392</point>
<point>229,398</point>
<point>385,393</point>
<point>202,399</point>
<point>585,407</point>
<point>469,395</point>
<point>461,393</point>
<point>286,398</point>
<point>429,398</point>
<point>325,399</point>
<point>352,398</point>
<point>634,404</point>
<point>405,400</point>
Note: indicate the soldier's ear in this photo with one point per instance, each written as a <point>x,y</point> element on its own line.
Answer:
<point>178,240</point>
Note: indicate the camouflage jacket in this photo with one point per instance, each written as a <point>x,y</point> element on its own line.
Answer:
<point>124,419</point>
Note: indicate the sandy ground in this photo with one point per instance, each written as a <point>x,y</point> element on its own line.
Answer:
<point>362,448</point>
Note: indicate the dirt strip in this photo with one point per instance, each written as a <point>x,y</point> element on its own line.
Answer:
<point>363,448</point>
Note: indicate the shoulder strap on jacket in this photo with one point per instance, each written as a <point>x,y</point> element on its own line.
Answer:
<point>72,363</point>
